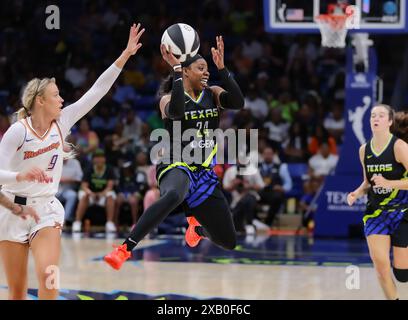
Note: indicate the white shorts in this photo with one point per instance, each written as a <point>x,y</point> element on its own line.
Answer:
<point>101,201</point>
<point>15,229</point>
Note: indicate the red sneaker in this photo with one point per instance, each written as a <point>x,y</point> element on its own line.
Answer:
<point>116,258</point>
<point>192,238</point>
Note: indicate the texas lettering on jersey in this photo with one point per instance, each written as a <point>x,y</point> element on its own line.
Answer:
<point>201,114</point>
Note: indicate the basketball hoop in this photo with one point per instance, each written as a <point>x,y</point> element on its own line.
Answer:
<point>333,25</point>
<point>333,29</point>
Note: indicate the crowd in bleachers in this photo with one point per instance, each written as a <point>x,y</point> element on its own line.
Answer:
<point>294,93</point>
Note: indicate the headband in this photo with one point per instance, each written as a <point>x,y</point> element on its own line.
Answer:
<point>191,60</point>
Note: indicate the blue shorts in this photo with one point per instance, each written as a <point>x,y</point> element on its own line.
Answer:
<point>385,221</point>
<point>202,182</point>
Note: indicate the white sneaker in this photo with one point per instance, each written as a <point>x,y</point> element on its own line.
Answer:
<point>260,225</point>
<point>250,229</point>
<point>110,227</point>
<point>76,226</point>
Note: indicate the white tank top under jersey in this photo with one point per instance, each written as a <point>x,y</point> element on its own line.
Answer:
<point>22,148</point>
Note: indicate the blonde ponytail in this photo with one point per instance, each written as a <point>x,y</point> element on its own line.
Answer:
<point>34,88</point>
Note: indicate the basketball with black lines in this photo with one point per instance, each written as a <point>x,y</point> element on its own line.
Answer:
<point>183,40</point>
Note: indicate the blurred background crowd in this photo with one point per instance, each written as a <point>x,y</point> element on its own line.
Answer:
<point>294,94</point>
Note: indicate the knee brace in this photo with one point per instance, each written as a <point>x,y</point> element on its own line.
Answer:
<point>401,274</point>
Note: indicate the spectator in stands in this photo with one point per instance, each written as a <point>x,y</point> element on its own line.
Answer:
<point>323,163</point>
<point>68,188</point>
<point>132,129</point>
<point>243,119</point>
<point>277,182</point>
<point>144,143</point>
<point>114,156</point>
<point>251,47</point>
<point>264,86</point>
<point>307,117</point>
<point>124,92</point>
<point>278,128</point>
<point>131,189</point>
<point>320,136</point>
<point>104,122</point>
<point>256,104</point>
<point>296,147</point>
<point>97,189</point>
<point>142,162</point>
<point>334,121</point>
<point>243,183</point>
<point>87,141</point>
<point>286,105</point>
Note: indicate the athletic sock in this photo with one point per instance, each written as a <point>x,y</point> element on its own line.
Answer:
<point>130,244</point>
<point>200,231</point>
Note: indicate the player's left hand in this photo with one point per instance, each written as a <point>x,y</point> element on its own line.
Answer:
<point>218,54</point>
<point>33,175</point>
<point>380,181</point>
<point>134,36</point>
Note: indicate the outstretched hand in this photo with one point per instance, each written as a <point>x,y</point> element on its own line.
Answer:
<point>218,54</point>
<point>168,56</point>
<point>134,36</point>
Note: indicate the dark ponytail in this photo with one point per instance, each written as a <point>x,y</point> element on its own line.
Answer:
<point>166,85</point>
<point>400,128</point>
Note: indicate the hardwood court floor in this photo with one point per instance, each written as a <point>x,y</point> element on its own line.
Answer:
<point>277,267</point>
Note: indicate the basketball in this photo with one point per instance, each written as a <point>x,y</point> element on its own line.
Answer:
<point>183,40</point>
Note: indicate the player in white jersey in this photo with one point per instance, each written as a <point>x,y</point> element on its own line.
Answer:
<point>37,139</point>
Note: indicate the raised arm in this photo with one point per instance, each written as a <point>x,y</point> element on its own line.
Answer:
<point>71,114</point>
<point>172,105</point>
<point>229,97</point>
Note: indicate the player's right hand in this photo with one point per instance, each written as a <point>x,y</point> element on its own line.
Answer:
<point>168,56</point>
<point>351,198</point>
<point>33,174</point>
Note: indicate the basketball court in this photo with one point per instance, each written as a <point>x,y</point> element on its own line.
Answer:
<point>261,267</point>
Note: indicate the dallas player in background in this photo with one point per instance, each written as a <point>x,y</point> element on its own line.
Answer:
<point>385,168</point>
<point>37,139</point>
<point>195,184</point>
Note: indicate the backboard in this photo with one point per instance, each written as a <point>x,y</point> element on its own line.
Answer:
<point>376,16</point>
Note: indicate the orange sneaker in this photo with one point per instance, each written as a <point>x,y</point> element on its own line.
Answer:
<point>192,238</point>
<point>116,258</point>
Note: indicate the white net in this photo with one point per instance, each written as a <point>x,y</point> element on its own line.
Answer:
<point>333,30</point>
